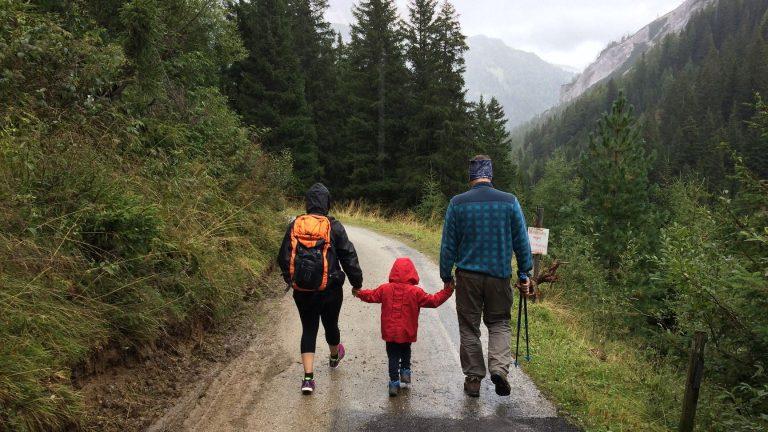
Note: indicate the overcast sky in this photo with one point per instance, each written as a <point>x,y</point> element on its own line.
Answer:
<point>565,32</point>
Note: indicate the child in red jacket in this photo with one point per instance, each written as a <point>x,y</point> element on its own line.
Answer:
<point>401,301</point>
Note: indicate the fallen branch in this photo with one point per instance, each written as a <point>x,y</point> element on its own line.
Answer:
<point>549,275</point>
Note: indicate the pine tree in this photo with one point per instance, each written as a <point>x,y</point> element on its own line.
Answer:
<point>319,61</point>
<point>439,127</point>
<point>615,170</point>
<point>490,136</point>
<point>267,87</point>
<point>375,85</point>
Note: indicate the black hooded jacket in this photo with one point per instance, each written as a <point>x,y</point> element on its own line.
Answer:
<point>342,253</point>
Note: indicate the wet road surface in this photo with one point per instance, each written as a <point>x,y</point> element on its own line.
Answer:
<point>259,391</point>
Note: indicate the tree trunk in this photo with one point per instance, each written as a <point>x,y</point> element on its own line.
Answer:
<point>381,137</point>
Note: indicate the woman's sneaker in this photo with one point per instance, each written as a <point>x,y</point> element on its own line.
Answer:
<point>308,386</point>
<point>334,363</point>
<point>394,388</point>
<point>405,376</point>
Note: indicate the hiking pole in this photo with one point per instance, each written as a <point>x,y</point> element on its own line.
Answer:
<point>519,316</point>
<point>525,309</point>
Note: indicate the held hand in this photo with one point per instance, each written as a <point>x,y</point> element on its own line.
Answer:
<point>525,287</point>
<point>450,285</point>
<point>355,292</point>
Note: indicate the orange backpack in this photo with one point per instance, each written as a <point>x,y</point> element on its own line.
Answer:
<point>310,241</point>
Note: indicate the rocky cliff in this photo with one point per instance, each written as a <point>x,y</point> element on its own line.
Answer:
<point>618,57</point>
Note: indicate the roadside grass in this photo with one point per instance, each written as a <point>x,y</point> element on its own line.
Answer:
<point>64,314</point>
<point>602,385</point>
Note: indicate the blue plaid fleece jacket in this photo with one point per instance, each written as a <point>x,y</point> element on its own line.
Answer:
<point>482,228</point>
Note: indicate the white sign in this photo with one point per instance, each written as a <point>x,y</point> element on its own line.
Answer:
<point>539,238</point>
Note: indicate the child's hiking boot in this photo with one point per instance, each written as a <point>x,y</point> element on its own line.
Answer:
<point>405,376</point>
<point>502,385</point>
<point>394,388</point>
<point>308,386</point>
<point>472,386</point>
<point>334,361</point>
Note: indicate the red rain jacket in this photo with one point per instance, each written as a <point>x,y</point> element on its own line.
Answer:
<point>401,301</point>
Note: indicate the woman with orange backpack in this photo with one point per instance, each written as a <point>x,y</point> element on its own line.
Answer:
<point>313,258</point>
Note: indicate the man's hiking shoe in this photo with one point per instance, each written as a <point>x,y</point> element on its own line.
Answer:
<point>334,363</point>
<point>394,388</point>
<point>308,386</point>
<point>405,376</point>
<point>502,385</point>
<point>472,386</point>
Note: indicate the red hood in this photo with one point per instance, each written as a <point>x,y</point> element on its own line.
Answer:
<point>403,271</point>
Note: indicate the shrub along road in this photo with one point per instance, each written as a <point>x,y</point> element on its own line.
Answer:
<point>259,390</point>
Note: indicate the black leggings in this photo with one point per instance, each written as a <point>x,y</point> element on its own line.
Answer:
<point>314,306</point>
<point>399,358</point>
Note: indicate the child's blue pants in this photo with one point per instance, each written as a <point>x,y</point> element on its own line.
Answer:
<point>399,358</point>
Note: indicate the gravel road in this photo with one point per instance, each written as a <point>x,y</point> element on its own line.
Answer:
<point>259,390</point>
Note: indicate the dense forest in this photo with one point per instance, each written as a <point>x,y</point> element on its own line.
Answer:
<point>134,204</point>
<point>654,186</point>
<point>384,117</point>
<point>693,92</point>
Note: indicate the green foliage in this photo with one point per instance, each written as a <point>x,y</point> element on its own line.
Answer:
<point>490,137</point>
<point>133,202</point>
<point>375,79</point>
<point>439,127</point>
<point>713,287</point>
<point>559,192</point>
<point>705,268</point>
<point>692,92</point>
<point>319,61</point>
<point>268,87</point>
<point>433,203</point>
<point>615,170</point>
<point>690,255</point>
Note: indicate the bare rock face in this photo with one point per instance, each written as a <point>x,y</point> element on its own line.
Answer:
<point>619,57</point>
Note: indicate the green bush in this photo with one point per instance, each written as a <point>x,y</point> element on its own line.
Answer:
<point>433,203</point>
<point>133,202</point>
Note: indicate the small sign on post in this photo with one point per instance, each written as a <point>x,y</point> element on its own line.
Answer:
<point>538,236</point>
<point>539,239</point>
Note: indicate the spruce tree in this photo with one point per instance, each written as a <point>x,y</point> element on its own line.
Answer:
<point>615,169</point>
<point>319,60</point>
<point>490,136</point>
<point>267,87</point>
<point>375,86</point>
<point>439,128</point>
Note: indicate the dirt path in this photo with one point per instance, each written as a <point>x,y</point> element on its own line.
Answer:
<point>259,390</point>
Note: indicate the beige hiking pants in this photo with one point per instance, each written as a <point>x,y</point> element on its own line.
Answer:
<point>481,296</point>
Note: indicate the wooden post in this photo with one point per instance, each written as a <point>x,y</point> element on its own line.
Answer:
<point>539,223</point>
<point>693,382</point>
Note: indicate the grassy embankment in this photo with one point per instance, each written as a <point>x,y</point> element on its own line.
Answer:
<point>602,385</point>
<point>184,256</point>
<point>135,207</point>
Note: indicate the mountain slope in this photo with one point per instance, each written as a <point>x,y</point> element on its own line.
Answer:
<point>692,92</point>
<point>525,84</point>
<point>618,57</point>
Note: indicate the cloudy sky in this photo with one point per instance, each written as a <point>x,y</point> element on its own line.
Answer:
<point>565,32</point>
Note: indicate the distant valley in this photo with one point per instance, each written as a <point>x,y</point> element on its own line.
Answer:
<point>525,84</point>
